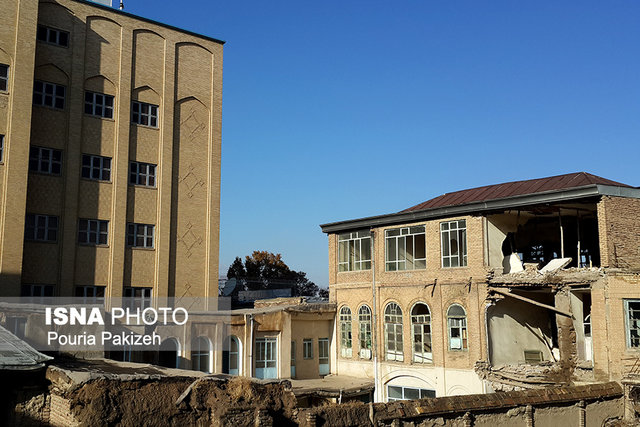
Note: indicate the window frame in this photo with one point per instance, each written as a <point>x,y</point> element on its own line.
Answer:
<point>352,243</point>
<point>365,336</point>
<point>4,80</point>
<point>2,140</point>
<point>403,233</point>
<point>134,234</point>
<point>138,116</point>
<point>459,323</point>
<point>39,160</point>
<point>393,328</point>
<point>100,168</point>
<point>143,300</point>
<point>461,236</point>
<point>99,109</point>
<point>201,357</point>
<point>135,174</point>
<point>46,228</point>
<point>49,31</point>
<point>307,349</point>
<point>633,343</point>
<point>421,327</point>
<point>422,392</point>
<point>97,292</point>
<point>44,289</point>
<point>98,232</point>
<point>346,335</point>
<point>54,94</point>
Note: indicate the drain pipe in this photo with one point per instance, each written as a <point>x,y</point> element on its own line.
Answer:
<point>250,346</point>
<point>374,329</point>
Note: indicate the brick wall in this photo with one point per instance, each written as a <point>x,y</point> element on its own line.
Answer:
<point>619,232</point>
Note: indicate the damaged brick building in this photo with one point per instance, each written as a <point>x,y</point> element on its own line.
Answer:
<point>503,287</point>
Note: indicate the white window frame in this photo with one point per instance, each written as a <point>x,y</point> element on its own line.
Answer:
<point>52,36</point>
<point>307,348</point>
<point>45,160</point>
<point>93,232</point>
<point>143,174</point>
<point>91,294</point>
<point>400,248</point>
<point>93,166</point>
<point>98,104</point>
<point>632,325</point>
<point>346,341</point>
<point>144,114</point>
<point>393,329</point>
<point>137,296</point>
<point>323,356</point>
<point>453,231</point>
<point>140,235</point>
<point>4,78</point>
<point>421,335</point>
<point>422,392</point>
<point>47,94</point>
<point>267,356</point>
<point>457,325</point>
<point>351,256</point>
<point>364,331</point>
<point>41,228</point>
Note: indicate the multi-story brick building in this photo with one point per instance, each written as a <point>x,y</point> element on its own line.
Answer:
<point>110,128</point>
<point>436,300</point>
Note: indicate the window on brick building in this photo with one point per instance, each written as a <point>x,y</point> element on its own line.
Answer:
<point>454,243</point>
<point>407,393</point>
<point>201,351</point>
<point>137,297</point>
<point>96,167</point>
<point>4,77</point>
<point>142,174</point>
<point>49,94</point>
<point>53,36</point>
<point>1,148</point>
<point>354,251</point>
<point>37,290</point>
<point>632,316</point>
<point>93,232</point>
<point>345,332</point>
<point>41,228</point>
<point>421,328</point>
<point>364,331</point>
<point>393,332</point>
<point>140,235</point>
<point>98,104</point>
<point>144,114</point>
<point>457,322</point>
<point>405,248</point>
<point>90,294</point>
<point>45,160</point>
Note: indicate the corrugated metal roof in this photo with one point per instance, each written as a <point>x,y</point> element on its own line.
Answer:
<point>515,188</point>
<point>16,354</point>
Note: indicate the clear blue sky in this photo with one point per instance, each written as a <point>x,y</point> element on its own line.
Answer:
<point>335,110</point>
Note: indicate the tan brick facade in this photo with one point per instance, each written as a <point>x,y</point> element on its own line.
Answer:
<point>129,58</point>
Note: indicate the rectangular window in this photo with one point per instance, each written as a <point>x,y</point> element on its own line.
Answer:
<point>98,104</point>
<point>4,77</point>
<point>96,167</point>
<point>140,235</point>
<point>17,326</point>
<point>407,393</point>
<point>90,294</point>
<point>1,148</point>
<point>307,348</point>
<point>144,114</point>
<point>142,174</point>
<point>632,316</point>
<point>405,248</point>
<point>45,160</point>
<point>36,290</point>
<point>266,358</point>
<point>137,297</point>
<point>93,232</point>
<point>354,251</point>
<point>454,243</point>
<point>293,359</point>
<point>53,36</point>
<point>49,94</point>
<point>41,228</point>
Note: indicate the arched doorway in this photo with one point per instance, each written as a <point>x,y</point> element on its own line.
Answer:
<point>168,354</point>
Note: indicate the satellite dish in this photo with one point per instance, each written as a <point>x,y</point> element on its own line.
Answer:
<point>229,287</point>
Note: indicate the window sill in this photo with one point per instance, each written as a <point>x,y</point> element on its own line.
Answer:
<point>100,117</point>
<point>454,268</point>
<point>44,173</point>
<point>92,245</point>
<point>104,181</point>
<point>143,186</point>
<point>50,242</point>
<point>405,271</point>
<point>145,126</point>
<point>140,248</point>
<point>46,107</point>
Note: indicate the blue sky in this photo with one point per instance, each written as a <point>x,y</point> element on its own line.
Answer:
<point>336,110</point>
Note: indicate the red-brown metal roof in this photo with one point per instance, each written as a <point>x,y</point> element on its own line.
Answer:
<point>516,188</point>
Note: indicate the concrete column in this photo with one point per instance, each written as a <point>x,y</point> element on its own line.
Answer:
<point>566,331</point>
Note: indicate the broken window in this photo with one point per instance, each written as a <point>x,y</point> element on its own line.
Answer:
<point>354,251</point>
<point>421,324</point>
<point>632,309</point>
<point>454,243</point>
<point>457,320</point>
<point>405,248</point>
<point>364,322</point>
<point>345,332</point>
<point>393,332</point>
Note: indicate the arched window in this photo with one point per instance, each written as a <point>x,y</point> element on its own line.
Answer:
<point>169,354</point>
<point>345,332</point>
<point>421,325</point>
<point>201,354</point>
<point>231,356</point>
<point>393,332</point>
<point>364,323</point>
<point>457,321</point>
